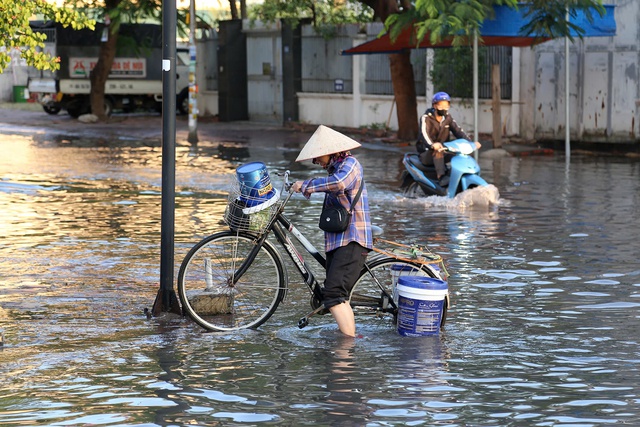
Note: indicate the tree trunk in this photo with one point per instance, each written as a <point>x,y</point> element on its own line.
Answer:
<point>404,88</point>
<point>234,9</point>
<point>243,9</point>
<point>404,91</point>
<point>100,74</point>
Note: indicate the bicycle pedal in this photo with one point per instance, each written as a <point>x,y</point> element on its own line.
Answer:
<point>385,301</point>
<point>303,322</point>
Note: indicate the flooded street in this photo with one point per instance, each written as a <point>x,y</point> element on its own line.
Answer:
<point>542,330</point>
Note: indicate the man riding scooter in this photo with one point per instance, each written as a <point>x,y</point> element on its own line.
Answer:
<point>435,126</point>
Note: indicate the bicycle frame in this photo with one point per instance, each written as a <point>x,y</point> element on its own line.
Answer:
<point>371,293</point>
<point>282,227</point>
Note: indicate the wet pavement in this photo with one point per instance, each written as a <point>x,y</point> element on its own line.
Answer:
<point>148,127</point>
<point>138,126</point>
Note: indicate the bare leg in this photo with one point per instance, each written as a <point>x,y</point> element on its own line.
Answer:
<point>344,318</point>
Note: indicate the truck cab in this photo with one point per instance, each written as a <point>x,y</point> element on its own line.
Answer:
<point>135,80</point>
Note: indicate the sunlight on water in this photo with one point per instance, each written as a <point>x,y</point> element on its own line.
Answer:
<point>545,289</point>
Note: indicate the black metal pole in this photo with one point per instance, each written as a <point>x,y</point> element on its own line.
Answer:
<point>166,299</point>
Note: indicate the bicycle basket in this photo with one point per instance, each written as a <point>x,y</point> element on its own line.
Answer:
<point>249,211</point>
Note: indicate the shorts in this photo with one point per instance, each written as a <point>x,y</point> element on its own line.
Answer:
<point>344,265</point>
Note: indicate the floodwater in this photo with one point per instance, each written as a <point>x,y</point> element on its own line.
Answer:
<point>542,330</point>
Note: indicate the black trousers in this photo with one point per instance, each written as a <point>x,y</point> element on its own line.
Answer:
<point>343,269</point>
<point>437,159</point>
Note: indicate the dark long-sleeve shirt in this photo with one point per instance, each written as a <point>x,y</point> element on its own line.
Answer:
<point>431,130</point>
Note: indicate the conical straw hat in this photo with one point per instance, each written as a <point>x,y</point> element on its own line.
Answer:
<point>326,141</point>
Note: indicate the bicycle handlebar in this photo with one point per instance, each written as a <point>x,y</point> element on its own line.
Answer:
<point>287,185</point>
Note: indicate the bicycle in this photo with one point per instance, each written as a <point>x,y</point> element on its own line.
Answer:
<point>236,279</point>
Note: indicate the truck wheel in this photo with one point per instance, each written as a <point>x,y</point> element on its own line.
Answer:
<point>108,107</point>
<point>51,108</point>
<point>77,112</point>
<point>183,101</point>
<point>74,112</point>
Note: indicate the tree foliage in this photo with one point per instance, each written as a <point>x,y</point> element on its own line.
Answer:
<point>439,19</point>
<point>15,32</point>
<point>548,18</point>
<point>452,68</point>
<point>320,13</point>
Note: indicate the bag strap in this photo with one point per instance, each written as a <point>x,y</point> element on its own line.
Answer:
<point>353,202</point>
<point>355,199</point>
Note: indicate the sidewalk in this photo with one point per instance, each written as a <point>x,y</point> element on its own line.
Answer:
<point>26,117</point>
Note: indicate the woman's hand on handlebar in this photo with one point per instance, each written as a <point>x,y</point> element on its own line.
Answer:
<point>295,187</point>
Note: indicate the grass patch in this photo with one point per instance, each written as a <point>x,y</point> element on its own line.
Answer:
<point>23,106</point>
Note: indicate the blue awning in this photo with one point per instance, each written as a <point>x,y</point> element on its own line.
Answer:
<point>508,22</point>
<point>504,30</point>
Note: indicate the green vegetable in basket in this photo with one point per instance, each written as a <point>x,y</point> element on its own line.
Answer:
<point>259,220</point>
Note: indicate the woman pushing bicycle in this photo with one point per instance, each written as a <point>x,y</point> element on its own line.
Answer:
<point>344,186</point>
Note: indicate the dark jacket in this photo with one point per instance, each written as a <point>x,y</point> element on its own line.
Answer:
<point>431,130</point>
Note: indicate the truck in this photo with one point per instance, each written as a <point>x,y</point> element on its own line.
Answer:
<point>135,79</point>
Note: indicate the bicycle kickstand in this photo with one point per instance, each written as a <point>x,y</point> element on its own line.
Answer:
<point>305,320</point>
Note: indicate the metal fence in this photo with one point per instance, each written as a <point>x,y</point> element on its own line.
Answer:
<point>452,71</point>
<point>207,45</point>
<point>502,55</point>
<point>378,77</point>
<point>325,70</point>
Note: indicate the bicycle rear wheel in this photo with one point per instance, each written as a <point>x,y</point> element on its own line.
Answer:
<point>373,292</point>
<point>216,300</point>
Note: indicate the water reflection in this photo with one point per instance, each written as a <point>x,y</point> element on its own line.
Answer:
<point>542,330</point>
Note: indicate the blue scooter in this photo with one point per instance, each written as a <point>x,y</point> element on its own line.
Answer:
<point>464,172</point>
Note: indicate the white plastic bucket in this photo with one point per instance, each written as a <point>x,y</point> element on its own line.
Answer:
<point>420,305</point>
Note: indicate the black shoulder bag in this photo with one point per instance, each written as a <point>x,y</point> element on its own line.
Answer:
<point>335,219</point>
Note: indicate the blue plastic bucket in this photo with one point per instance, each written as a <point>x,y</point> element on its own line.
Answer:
<point>256,190</point>
<point>420,305</point>
<point>398,270</point>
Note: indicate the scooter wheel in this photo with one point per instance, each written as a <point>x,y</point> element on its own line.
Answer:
<point>413,191</point>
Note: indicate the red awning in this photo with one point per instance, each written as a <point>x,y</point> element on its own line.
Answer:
<point>407,40</point>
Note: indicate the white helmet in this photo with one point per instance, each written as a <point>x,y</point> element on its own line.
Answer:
<point>326,141</point>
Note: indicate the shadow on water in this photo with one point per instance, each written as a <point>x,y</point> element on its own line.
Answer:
<point>545,292</point>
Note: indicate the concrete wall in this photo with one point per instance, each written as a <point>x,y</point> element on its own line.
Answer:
<point>14,75</point>
<point>603,87</point>
<point>361,109</point>
<point>264,72</point>
<point>379,110</point>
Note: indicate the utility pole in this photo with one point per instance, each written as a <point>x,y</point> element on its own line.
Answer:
<point>192,138</point>
<point>166,299</point>
<point>567,98</point>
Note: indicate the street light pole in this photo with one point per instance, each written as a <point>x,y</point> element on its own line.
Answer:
<point>567,98</point>
<point>192,138</point>
<point>476,124</point>
<point>166,299</point>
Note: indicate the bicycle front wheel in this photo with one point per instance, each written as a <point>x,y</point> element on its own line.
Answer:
<point>212,294</point>
<point>373,292</point>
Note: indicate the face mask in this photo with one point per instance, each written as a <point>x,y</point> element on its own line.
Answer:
<point>442,112</point>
